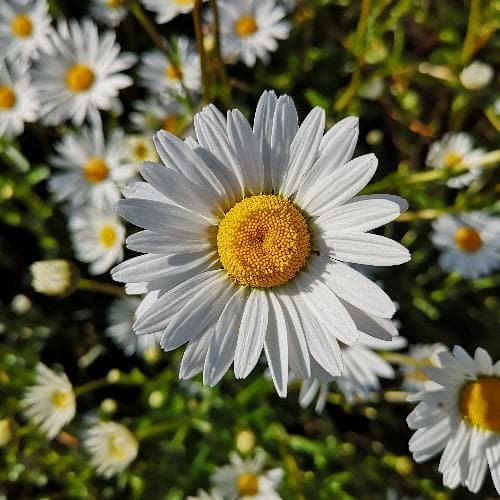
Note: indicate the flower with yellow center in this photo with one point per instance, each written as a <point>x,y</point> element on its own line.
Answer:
<point>166,10</point>
<point>468,239</point>
<point>480,403</point>
<point>245,25</point>
<point>21,25</point>
<point>452,159</point>
<point>7,97</point>
<point>95,170</point>
<point>79,78</point>
<point>247,484</point>
<point>107,236</point>
<point>173,72</point>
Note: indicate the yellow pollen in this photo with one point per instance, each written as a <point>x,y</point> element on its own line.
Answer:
<point>79,78</point>
<point>452,159</point>
<point>7,97</point>
<point>173,72</point>
<point>468,239</point>
<point>114,4</point>
<point>115,444</point>
<point>263,241</point>
<point>170,124</point>
<point>107,235</point>
<point>60,399</point>
<point>21,25</point>
<point>247,484</point>
<point>245,26</point>
<point>480,403</point>
<point>95,170</point>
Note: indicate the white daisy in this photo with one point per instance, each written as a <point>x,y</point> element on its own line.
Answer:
<point>452,150</point>
<point>247,236</point>
<point>363,367</point>
<point>112,447</point>
<point>424,355</point>
<point>24,28</point>
<point>160,76</point>
<point>109,12</point>
<point>469,243</point>
<point>245,479</point>
<point>249,29</point>
<point>93,169</point>
<point>459,414</point>
<point>81,73</point>
<point>18,99</point>
<point>139,148</point>
<point>97,238</point>
<point>476,75</point>
<point>121,316</point>
<point>168,9</point>
<point>55,277</point>
<point>50,403</point>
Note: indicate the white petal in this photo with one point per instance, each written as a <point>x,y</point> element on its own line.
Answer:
<point>194,356</point>
<point>379,328</point>
<point>493,456</point>
<point>150,242</point>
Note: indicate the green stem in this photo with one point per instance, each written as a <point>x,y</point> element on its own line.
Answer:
<point>198,31</point>
<point>472,25</point>
<point>156,429</point>
<point>404,359</point>
<point>97,286</point>
<point>90,386</point>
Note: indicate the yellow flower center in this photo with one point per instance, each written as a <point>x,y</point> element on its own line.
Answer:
<point>115,444</point>
<point>173,72</point>
<point>480,403</point>
<point>170,124</point>
<point>247,484</point>
<point>107,235</point>
<point>21,26</point>
<point>452,159</point>
<point>468,239</point>
<point>245,26</point>
<point>141,151</point>
<point>79,77</point>
<point>61,399</point>
<point>263,241</point>
<point>95,170</point>
<point>7,97</point>
<point>114,4</point>
<point>184,2</point>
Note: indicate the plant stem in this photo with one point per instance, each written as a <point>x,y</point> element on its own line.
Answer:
<point>97,286</point>
<point>404,359</point>
<point>156,429</point>
<point>90,386</point>
<point>198,30</point>
<point>468,48</point>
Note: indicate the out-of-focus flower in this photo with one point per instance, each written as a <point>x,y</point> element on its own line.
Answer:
<point>97,238</point>
<point>110,12</point>
<point>24,29</point>
<point>245,441</point>
<point>459,414</point>
<point>244,479</point>
<point>250,29</point>
<point>93,168</point>
<point>476,75</point>
<point>50,403</point>
<point>139,148</point>
<point>55,277</point>
<point>452,150</point>
<point>158,75</point>
<point>112,447</point>
<point>20,304</point>
<point>5,431</point>
<point>222,239</point>
<point>80,73</point>
<point>373,88</point>
<point>424,355</point>
<point>213,494</point>
<point>469,243</point>
<point>166,10</point>
<point>18,99</point>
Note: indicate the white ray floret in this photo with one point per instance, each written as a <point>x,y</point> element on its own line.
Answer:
<point>166,10</point>
<point>109,12</point>
<point>422,355</point>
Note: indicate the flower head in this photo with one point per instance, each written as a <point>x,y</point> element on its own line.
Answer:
<point>109,12</point>
<point>476,75</point>
<point>55,277</point>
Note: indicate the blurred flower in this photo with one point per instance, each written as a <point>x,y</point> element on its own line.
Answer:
<point>158,75</point>
<point>223,292</point>
<point>5,431</point>
<point>245,441</point>
<point>470,243</point>
<point>373,88</point>
<point>203,495</point>
<point>80,73</point>
<point>20,304</point>
<point>50,403</point>
<point>139,148</point>
<point>246,479</point>
<point>452,150</point>
<point>249,29</point>
<point>93,168</point>
<point>168,9</point>
<point>424,354</point>
<point>56,277</point>
<point>24,29</point>
<point>459,413</point>
<point>18,99</point>
<point>476,75</point>
<point>112,447</point>
<point>110,12</point>
<point>97,238</point>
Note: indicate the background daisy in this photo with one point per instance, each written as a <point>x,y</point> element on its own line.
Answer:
<point>168,9</point>
<point>109,12</point>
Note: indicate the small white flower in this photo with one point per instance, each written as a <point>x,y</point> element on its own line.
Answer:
<point>459,415</point>
<point>245,479</point>
<point>97,238</point>
<point>81,73</point>
<point>204,495</point>
<point>55,277</point>
<point>414,378</point>
<point>139,148</point>
<point>18,99</point>
<point>168,9</point>
<point>158,75</point>
<point>250,29</point>
<point>50,403</point>
<point>112,448</point>
<point>469,243</point>
<point>476,75</point>
<point>24,28</point>
<point>110,12</point>
<point>452,150</point>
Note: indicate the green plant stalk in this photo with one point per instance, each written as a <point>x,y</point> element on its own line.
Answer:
<point>97,286</point>
<point>200,47</point>
<point>472,28</point>
<point>90,386</point>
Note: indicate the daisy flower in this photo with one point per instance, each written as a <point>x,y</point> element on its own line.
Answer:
<point>458,413</point>
<point>166,10</point>
<point>469,243</point>
<point>452,150</point>
<point>112,448</point>
<point>93,168</point>
<point>249,29</point>
<point>160,76</point>
<point>414,378</point>
<point>24,28</point>
<point>18,99</point>
<point>80,74</point>
<point>138,148</point>
<point>50,403</point>
<point>110,12</point>
<point>55,277</point>
<point>97,238</point>
<point>246,479</point>
<point>248,239</point>
<point>121,316</point>
<point>476,75</point>
<point>363,367</point>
